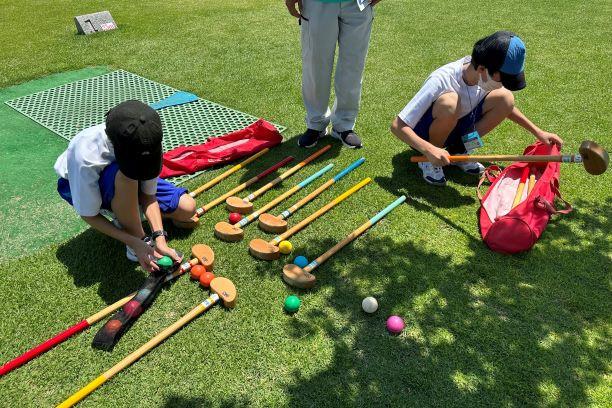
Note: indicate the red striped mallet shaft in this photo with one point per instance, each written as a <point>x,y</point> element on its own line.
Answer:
<point>222,288</point>
<point>245,205</point>
<point>203,255</point>
<point>202,210</point>
<point>227,173</point>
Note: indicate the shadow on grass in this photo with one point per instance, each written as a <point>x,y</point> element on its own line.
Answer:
<point>407,179</point>
<point>491,330</point>
<point>177,401</point>
<point>108,267</point>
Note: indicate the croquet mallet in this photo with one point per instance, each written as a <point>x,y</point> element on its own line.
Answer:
<point>268,251</point>
<point>303,277</point>
<point>222,288</point>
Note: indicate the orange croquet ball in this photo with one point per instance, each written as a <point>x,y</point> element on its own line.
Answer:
<point>113,325</point>
<point>197,271</point>
<point>205,279</point>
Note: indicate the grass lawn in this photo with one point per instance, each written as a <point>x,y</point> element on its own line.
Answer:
<point>483,329</point>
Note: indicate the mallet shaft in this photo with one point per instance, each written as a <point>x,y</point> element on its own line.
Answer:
<point>245,221</point>
<point>200,211</point>
<point>323,257</point>
<point>80,326</point>
<point>320,211</point>
<point>565,158</point>
<point>286,174</point>
<point>228,173</point>
<point>521,187</point>
<point>285,214</point>
<point>145,348</point>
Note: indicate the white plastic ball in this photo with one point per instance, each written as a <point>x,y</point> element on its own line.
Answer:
<point>369,304</point>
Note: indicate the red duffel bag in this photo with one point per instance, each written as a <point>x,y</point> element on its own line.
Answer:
<point>510,230</point>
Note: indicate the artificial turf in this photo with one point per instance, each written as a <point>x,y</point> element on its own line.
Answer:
<point>483,329</point>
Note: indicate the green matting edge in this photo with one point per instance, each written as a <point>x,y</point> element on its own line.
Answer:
<point>69,108</point>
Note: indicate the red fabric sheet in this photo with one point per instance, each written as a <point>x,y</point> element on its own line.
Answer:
<point>219,150</point>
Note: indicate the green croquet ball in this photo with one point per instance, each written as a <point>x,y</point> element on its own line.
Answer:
<point>292,304</point>
<point>165,262</point>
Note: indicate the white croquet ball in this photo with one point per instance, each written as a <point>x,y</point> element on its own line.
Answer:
<point>369,304</point>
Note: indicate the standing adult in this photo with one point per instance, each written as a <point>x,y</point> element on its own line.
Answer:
<point>325,23</point>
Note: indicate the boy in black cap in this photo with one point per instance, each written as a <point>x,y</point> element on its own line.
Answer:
<point>464,100</point>
<point>114,166</point>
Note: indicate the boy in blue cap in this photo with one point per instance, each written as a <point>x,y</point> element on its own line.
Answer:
<point>115,166</point>
<point>466,99</point>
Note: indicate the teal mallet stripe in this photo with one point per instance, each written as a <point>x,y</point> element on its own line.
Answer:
<point>387,210</point>
<point>315,176</point>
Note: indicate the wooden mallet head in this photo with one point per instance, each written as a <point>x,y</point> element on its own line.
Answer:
<point>298,277</point>
<point>226,291</point>
<point>263,250</point>
<point>594,157</point>
<point>238,205</point>
<point>228,232</point>
<point>272,223</point>
<point>193,223</point>
<point>205,256</point>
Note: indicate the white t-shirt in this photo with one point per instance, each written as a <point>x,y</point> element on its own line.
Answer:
<point>88,153</point>
<point>448,78</point>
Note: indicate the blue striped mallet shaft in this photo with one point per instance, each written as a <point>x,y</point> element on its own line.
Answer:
<point>272,223</point>
<point>246,220</point>
<point>234,233</point>
<point>302,277</point>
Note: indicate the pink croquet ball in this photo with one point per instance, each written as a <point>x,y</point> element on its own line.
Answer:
<point>234,218</point>
<point>395,324</point>
<point>132,308</point>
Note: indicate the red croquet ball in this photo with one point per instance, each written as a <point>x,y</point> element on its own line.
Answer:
<point>197,271</point>
<point>132,308</point>
<point>205,279</point>
<point>234,218</point>
<point>113,325</point>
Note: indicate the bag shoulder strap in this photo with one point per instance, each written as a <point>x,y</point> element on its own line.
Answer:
<point>491,173</point>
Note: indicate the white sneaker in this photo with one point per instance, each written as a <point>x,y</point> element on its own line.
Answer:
<point>470,167</point>
<point>131,254</point>
<point>432,174</point>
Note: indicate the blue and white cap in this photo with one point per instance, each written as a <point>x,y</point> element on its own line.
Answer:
<point>513,68</point>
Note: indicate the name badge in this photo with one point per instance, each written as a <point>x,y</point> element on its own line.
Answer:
<point>472,141</point>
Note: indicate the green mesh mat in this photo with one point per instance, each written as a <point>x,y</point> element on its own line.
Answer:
<point>69,108</point>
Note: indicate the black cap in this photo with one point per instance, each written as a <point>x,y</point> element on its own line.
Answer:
<point>136,133</point>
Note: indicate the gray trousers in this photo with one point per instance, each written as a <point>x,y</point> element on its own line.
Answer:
<point>324,25</point>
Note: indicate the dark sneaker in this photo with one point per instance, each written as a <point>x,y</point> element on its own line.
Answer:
<point>348,138</point>
<point>310,137</point>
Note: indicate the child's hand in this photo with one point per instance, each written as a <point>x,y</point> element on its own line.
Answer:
<point>549,138</point>
<point>437,156</point>
<point>164,249</point>
<point>146,255</point>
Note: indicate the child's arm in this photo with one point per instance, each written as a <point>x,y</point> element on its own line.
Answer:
<point>146,255</point>
<point>151,209</point>
<point>403,132</point>
<point>545,137</point>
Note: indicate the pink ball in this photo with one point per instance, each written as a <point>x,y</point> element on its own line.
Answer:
<point>234,218</point>
<point>132,308</point>
<point>395,324</point>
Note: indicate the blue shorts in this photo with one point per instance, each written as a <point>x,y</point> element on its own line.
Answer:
<point>168,195</point>
<point>464,126</point>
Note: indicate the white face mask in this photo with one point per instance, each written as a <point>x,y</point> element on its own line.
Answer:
<point>489,85</point>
